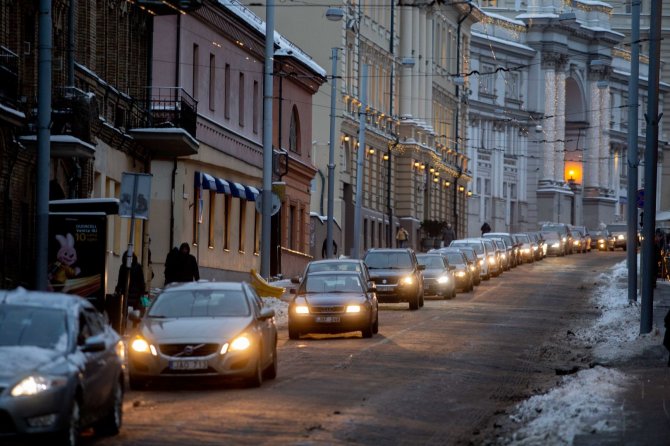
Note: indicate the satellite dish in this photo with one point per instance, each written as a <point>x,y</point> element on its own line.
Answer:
<point>276,203</point>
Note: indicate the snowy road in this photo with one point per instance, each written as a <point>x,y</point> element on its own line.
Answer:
<point>434,376</point>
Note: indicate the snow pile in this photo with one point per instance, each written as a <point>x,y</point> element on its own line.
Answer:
<point>616,333</point>
<point>280,307</point>
<point>577,405</point>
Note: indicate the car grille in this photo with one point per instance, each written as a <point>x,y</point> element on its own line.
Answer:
<point>6,423</point>
<point>386,280</point>
<point>207,371</point>
<point>188,350</point>
<point>332,309</point>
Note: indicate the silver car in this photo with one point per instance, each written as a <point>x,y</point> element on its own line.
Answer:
<point>205,329</point>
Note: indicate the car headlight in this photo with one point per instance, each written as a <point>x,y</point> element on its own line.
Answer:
<point>302,309</point>
<point>460,273</point>
<point>526,250</point>
<point>353,308</point>
<point>481,262</point>
<point>240,343</point>
<point>503,256</point>
<point>407,280</point>
<point>492,260</point>
<point>120,349</point>
<point>473,268</point>
<point>139,345</point>
<point>32,385</point>
<point>443,279</point>
<point>535,248</point>
<point>565,239</point>
<point>620,236</point>
<point>601,241</point>
<point>555,245</point>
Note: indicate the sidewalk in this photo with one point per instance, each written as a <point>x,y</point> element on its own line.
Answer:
<point>644,415</point>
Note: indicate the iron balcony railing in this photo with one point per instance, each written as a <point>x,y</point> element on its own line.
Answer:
<point>9,76</point>
<point>166,107</point>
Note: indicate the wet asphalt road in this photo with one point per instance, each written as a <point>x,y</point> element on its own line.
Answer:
<point>434,376</point>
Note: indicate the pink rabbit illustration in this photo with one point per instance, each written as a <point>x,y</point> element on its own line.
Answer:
<point>62,268</point>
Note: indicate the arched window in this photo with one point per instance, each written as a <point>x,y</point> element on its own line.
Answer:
<point>294,132</point>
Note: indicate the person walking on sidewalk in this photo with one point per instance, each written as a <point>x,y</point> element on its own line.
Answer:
<point>186,266</point>
<point>402,237</point>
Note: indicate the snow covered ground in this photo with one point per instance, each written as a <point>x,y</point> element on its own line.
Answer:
<point>583,402</point>
<point>280,307</point>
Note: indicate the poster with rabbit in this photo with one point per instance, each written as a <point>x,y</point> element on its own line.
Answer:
<point>77,252</point>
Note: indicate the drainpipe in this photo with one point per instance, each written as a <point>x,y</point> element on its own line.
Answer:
<point>174,160</point>
<point>70,44</point>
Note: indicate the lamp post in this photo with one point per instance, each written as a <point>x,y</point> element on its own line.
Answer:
<point>331,158</point>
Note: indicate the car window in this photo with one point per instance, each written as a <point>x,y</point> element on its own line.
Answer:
<point>477,246</point>
<point>95,322</point>
<point>32,326</point>
<point>332,284</point>
<point>431,262</point>
<point>334,266</point>
<point>200,303</point>
<point>388,260</point>
<point>455,258</point>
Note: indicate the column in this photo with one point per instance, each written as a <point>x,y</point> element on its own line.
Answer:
<point>559,176</point>
<point>416,51</point>
<point>592,146</point>
<point>405,26</point>
<point>603,131</point>
<point>428,104</point>
<point>550,125</point>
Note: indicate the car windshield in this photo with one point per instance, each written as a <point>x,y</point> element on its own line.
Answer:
<point>617,228</point>
<point>332,283</point>
<point>470,255</point>
<point>599,234</point>
<point>431,262</point>
<point>334,266</point>
<point>388,260</point>
<point>474,245</point>
<point>500,244</point>
<point>523,238</point>
<point>33,326</point>
<point>558,228</point>
<point>200,303</point>
<point>550,235</point>
<point>455,258</point>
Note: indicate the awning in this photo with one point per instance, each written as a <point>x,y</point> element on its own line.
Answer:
<point>221,186</point>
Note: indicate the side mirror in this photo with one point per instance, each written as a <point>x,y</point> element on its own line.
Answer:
<point>94,344</point>
<point>372,287</point>
<point>421,267</point>
<point>266,313</point>
<point>135,316</point>
<point>295,279</point>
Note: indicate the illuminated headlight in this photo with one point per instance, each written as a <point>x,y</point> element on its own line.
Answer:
<point>139,345</point>
<point>473,268</point>
<point>555,245</point>
<point>32,385</point>
<point>302,309</point>
<point>481,262</point>
<point>620,237</point>
<point>565,239</point>
<point>576,243</point>
<point>601,241</point>
<point>443,279</point>
<point>407,280</point>
<point>535,248</point>
<point>353,308</point>
<point>503,256</point>
<point>460,274</point>
<point>526,250</point>
<point>240,343</point>
<point>120,350</point>
<point>492,260</point>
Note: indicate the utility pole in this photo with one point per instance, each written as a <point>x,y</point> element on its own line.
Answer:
<point>266,219</point>
<point>360,162</point>
<point>43,145</point>
<point>331,158</point>
<point>650,169</point>
<point>389,164</point>
<point>633,86</point>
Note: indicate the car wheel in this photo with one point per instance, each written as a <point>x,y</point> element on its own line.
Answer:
<point>136,383</point>
<point>368,331</point>
<point>271,371</point>
<point>256,378</point>
<point>70,435</point>
<point>421,302</point>
<point>110,425</point>
<point>293,332</point>
<point>414,303</point>
<point>375,326</point>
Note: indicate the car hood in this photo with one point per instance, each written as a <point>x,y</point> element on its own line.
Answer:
<point>374,273</point>
<point>19,360</point>
<point>433,273</point>
<point>193,329</point>
<point>334,299</point>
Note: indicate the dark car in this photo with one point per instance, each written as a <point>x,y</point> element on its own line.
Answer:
<point>461,268</point>
<point>602,240</point>
<point>61,367</point>
<point>555,245</point>
<point>397,275</point>
<point>333,302</point>
<point>619,233</point>
<point>510,243</point>
<point>564,231</point>
<point>473,260</point>
<point>586,236</point>
<point>438,279</point>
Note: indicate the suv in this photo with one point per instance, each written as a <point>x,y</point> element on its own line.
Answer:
<point>564,231</point>
<point>619,232</point>
<point>397,275</point>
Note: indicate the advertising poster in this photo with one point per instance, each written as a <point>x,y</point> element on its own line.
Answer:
<point>77,244</point>
<point>135,195</point>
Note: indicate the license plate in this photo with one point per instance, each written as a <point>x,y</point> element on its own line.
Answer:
<point>187,365</point>
<point>328,319</point>
<point>385,287</point>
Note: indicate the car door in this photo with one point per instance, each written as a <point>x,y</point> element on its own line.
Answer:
<point>93,368</point>
<point>265,328</point>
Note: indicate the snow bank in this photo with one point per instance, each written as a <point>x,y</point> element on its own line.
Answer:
<point>280,307</point>
<point>576,406</point>
<point>616,333</point>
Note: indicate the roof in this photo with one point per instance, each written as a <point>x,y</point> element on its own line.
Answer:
<point>43,299</point>
<point>205,285</point>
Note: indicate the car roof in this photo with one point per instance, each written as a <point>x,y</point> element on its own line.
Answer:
<point>337,261</point>
<point>334,273</point>
<point>44,299</point>
<point>205,285</point>
<point>389,250</point>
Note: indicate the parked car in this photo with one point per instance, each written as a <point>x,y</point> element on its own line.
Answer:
<point>397,275</point>
<point>492,257</point>
<point>526,250</point>
<point>478,245</point>
<point>475,268</point>
<point>505,253</point>
<point>619,232</point>
<point>218,329</point>
<point>335,265</point>
<point>602,240</point>
<point>61,368</point>
<point>586,235</point>
<point>555,245</point>
<point>510,244</point>
<point>564,232</point>
<point>459,265</point>
<point>538,246</point>
<point>438,278</point>
<point>333,302</point>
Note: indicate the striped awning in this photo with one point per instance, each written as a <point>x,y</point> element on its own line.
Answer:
<point>221,186</point>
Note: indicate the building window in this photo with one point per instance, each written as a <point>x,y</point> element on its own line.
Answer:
<point>240,98</point>
<point>512,86</point>
<point>291,227</point>
<point>197,214</point>
<point>226,92</point>
<point>294,132</point>
<point>196,71</point>
<point>487,187</point>
<point>255,108</point>
<point>257,231</point>
<point>487,79</point>
<point>365,234</point>
<point>212,82</point>
<point>242,224</point>
<point>227,208</point>
<point>212,217</point>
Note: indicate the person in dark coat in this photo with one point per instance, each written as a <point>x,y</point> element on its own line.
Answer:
<point>137,287</point>
<point>485,228</point>
<point>186,267</point>
<point>325,245</point>
<point>448,234</point>
<point>170,265</point>
<point>666,338</point>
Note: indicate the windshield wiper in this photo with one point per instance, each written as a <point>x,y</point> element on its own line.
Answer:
<point>158,316</point>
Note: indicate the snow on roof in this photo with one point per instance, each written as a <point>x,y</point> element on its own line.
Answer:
<point>21,296</point>
<point>12,111</point>
<point>626,74</point>
<point>502,41</point>
<point>595,3</point>
<point>602,29</point>
<point>60,139</point>
<point>100,80</point>
<point>532,15</point>
<point>502,17</point>
<point>286,48</point>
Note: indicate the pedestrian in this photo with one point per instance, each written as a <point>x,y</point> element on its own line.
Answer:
<point>485,228</point>
<point>402,237</point>
<point>186,267</point>
<point>324,248</point>
<point>448,235</point>
<point>666,338</point>
<point>170,265</point>
<point>136,287</point>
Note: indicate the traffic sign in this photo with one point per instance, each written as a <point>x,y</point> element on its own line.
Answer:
<point>639,198</point>
<point>276,203</point>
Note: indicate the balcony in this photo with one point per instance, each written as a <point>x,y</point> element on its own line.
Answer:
<point>9,87</point>
<point>167,126</point>
<point>169,7</point>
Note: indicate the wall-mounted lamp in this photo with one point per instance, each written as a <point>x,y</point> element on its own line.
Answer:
<point>436,180</point>
<point>447,184</point>
<point>371,151</point>
<point>469,193</point>
<point>386,157</point>
<point>334,14</point>
<point>346,138</point>
<point>422,167</point>
<point>417,164</point>
<point>432,169</point>
<point>461,188</point>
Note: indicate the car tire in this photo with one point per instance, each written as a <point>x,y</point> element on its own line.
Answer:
<point>270,371</point>
<point>375,326</point>
<point>421,300</point>
<point>414,303</point>
<point>136,383</point>
<point>70,436</point>
<point>368,331</point>
<point>293,332</point>
<point>256,378</point>
<point>110,425</point>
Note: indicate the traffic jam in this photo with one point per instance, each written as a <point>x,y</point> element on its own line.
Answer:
<point>63,369</point>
